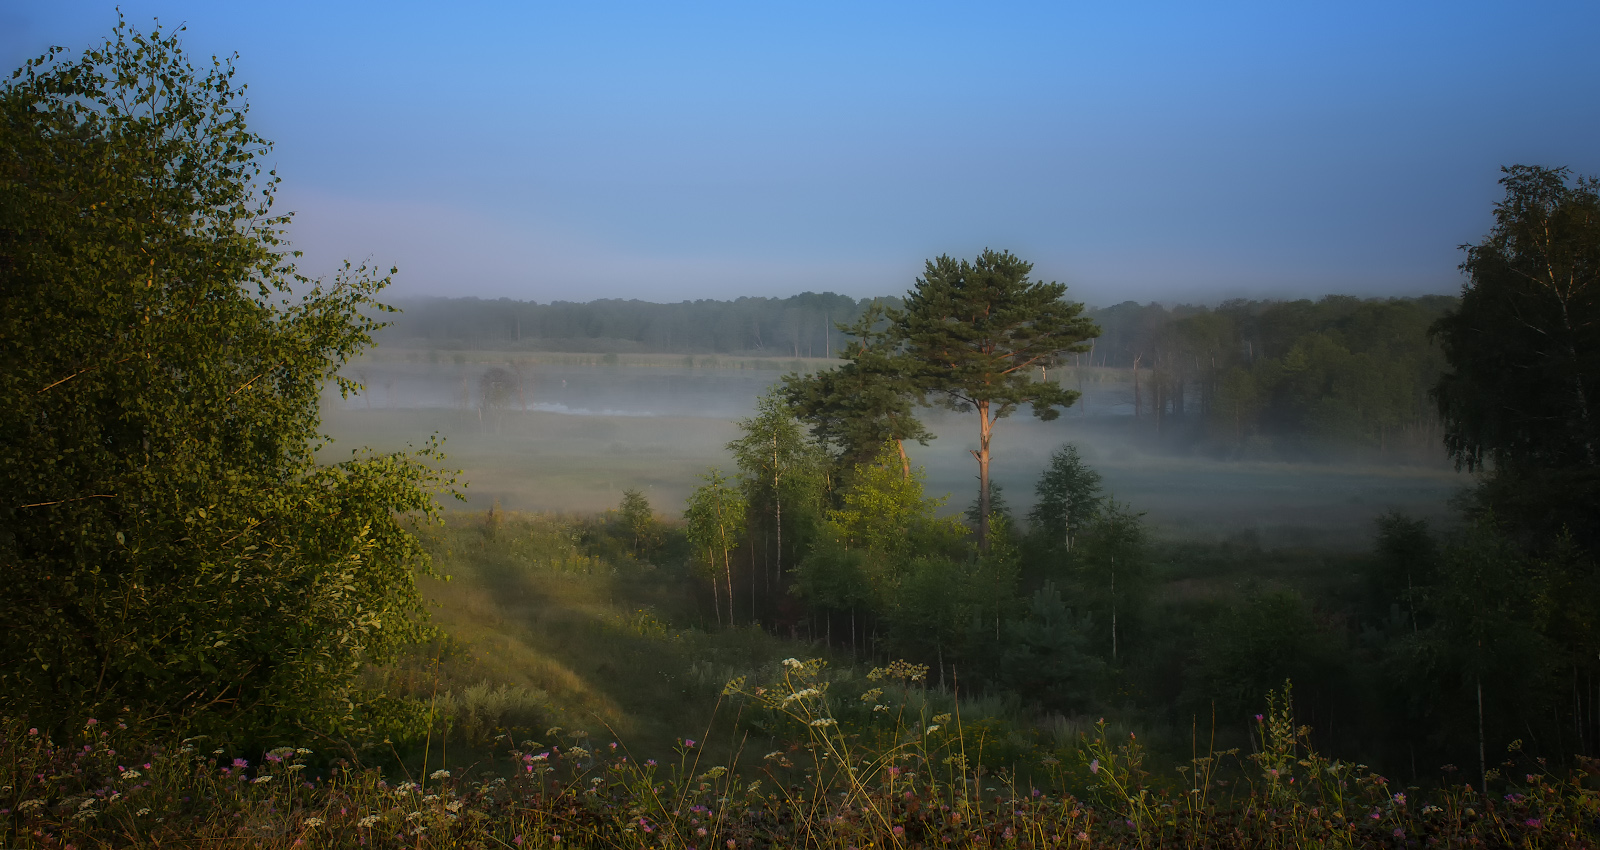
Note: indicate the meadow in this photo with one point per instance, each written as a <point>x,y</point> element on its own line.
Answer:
<point>588,427</point>
<point>572,697</point>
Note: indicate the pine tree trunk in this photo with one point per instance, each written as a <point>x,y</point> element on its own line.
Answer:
<point>986,426</point>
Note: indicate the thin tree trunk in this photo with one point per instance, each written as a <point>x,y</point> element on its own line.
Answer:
<point>1138,400</point>
<point>905,462</point>
<point>1113,608</point>
<point>985,426</point>
<point>1483,760</point>
<point>727,566</point>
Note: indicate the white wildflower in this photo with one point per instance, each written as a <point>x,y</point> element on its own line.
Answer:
<point>453,806</point>
<point>439,774</point>
<point>313,823</point>
<point>142,812</point>
<point>823,721</point>
<point>25,805</point>
<point>932,729</point>
<point>296,767</point>
<point>302,751</point>
<point>368,822</point>
<point>260,779</point>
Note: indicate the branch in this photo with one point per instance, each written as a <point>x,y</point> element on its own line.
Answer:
<point>64,501</point>
<point>80,372</point>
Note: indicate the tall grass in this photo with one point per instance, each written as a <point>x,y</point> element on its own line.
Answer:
<point>904,779</point>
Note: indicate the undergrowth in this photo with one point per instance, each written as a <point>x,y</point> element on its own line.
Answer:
<point>905,778</point>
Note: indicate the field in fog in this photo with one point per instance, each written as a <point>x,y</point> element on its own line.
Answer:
<point>584,428</point>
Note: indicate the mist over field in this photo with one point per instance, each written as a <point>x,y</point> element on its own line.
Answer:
<point>588,427</point>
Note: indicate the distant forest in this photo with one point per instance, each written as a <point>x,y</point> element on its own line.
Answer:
<point>1244,378</point>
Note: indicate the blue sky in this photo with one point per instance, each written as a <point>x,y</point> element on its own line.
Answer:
<point>666,151</point>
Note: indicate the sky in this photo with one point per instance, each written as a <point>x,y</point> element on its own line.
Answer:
<point>671,151</point>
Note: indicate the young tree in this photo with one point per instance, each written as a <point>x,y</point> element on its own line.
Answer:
<point>779,467</point>
<point>170,543</point>
<point>1067,499</point>
<point>866,402</point>
<point>977,333</point>
<point>639,520</point>
<point>716,519</point>
<point>1114,565</point>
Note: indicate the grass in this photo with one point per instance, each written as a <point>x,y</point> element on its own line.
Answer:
<point>904,779</point>
<point>573,700</point>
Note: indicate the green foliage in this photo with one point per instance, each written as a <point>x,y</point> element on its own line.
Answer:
<point>784,475</point>
<point>974,332</point>
<point>1524,356</point>
<point>169,543</point>
<point>640,522</point>
<point>1524,346</point>
<point>864,403</point>
<point>1046,655</point>
<point>868,545</point>
<point>1066,500</point>
<point>1267,638</point>
<point>716,518</point>
<point>1112,570</point>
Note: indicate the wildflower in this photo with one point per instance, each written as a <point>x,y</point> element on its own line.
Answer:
<point>649,762</point>
<point>93,722</point>
<point>898,831</point>
<point>1399,833</point>
<point>791,663</point>
<point>1094,766</point>
<point>368,822</point>
<point>29,804</point>
<point>731,844</point>
<point>241,763</point>
<point>260,779</point>
<point>453,806</point>
<point>1532,822</point>
<point>313,823</point>
<point>700,832</point>
<point>688,742</point>
<point>302,751</point>
<point>517,841</point>
<point>439,774</point>
<point>33,731</point>
<point>932,729</point>
<point>1399,799</point>
<point>296,767</point>
<point>130,774</point>
<point>1258,718</point>
<point>941,719</point>
<point>773,755</point>
<point>142,812</point>
<point>829,721</point>
<point>1082,835</point>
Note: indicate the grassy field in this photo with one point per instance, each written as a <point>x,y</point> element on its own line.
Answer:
<point>591,430</point>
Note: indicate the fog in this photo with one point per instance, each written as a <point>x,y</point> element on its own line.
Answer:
<point>582,430</point>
